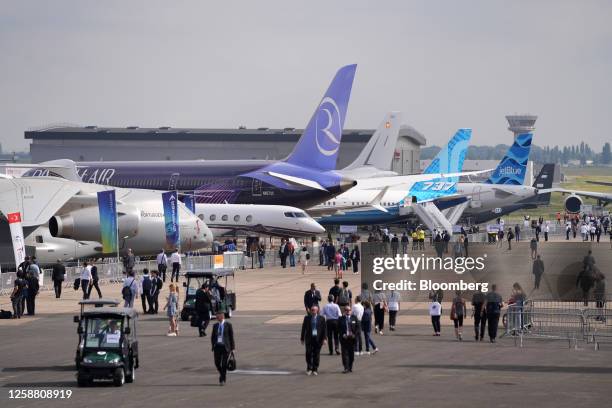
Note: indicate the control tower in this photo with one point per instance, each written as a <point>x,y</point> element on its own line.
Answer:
<point>521,124</point>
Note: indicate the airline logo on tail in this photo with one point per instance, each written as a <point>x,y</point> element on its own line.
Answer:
<point>328,137</point>
<point>512,168</point>
<point>448,160</point>
<point>319,145</point>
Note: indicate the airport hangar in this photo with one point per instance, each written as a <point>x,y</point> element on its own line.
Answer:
<point>92,143</point>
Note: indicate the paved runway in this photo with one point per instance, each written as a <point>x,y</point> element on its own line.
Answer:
<point>412,368</point>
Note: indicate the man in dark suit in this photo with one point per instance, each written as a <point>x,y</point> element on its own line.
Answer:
<point>203,306</point>
<point>283,253</point>
<point>222,340</point>
<point>313,337</point>
<point>312,297</point>
<point>349,329</point>
<point>57,276</point>
<point>156,287</point>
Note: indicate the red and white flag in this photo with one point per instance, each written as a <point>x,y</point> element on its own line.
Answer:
<point>14,220</point>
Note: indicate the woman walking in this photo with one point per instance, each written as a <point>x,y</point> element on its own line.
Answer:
<point>304,258</point>
<point>394,307</point>
<point>172,310</point>
<point>338,264</point>
<point>366,327</point>
<point>457,314</point>
<point>380,306</point>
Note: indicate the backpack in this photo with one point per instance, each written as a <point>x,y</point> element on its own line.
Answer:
<point>126,292</point>
<point>33,283</point>
<point>459,308</point>
<point>307,256</point>
<point>5,314</point>
<point>343,297</point>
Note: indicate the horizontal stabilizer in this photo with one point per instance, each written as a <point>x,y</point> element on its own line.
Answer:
<point>297,181</point>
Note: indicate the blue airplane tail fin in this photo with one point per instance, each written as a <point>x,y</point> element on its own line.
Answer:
<point>319,144</point>
<point>512,168</point>
<point>448,160</point>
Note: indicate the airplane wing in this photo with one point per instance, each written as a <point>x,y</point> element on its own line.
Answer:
<point>328,211</point>
<point>607,197</point>
<point>392,181</point>
<point>40,198</point>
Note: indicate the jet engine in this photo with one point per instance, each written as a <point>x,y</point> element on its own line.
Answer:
<point>84,224</point>
<point>573,203</point>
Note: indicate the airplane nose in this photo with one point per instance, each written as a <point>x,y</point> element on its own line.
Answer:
<point>316,228</point>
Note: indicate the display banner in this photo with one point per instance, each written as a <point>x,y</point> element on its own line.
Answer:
<point>14,220</point>
<point>190,203</point>
<point>107,207</point>
<point>170,201</point>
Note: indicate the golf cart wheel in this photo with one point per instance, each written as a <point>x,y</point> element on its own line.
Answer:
<point>184,316</point>
<point>228,314</point>
<point>132,375</point>
<point>119,377</point>
<point>83,380</point>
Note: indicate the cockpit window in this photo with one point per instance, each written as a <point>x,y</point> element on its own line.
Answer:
<point>300,215</point>
<point>289,215</point>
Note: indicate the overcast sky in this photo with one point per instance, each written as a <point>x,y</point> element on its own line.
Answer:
<point>445,64</point>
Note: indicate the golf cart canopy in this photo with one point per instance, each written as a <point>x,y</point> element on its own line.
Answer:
<point>110,311</point>
<point>209,273</point>
<point>99,302</point>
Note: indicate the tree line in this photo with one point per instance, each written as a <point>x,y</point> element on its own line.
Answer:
<point>581,153</point>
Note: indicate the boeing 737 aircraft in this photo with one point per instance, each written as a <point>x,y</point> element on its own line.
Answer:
<point>452,199</point>
<point>365,206</point>
<point>305,178</point>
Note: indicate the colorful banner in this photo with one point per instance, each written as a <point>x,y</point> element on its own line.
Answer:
<point>190,203</point>
<point>14,220</point>
<point>170,201</point>
<point>107,207</point>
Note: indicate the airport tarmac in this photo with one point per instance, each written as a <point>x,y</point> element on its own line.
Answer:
<point>411,369</point>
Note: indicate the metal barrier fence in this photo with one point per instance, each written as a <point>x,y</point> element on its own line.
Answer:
<point>113,272</point>
<point>571,321</point>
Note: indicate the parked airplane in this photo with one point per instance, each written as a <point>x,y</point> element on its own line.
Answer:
<point>278,220</point>
<point>452,199</point>
<point>364,206</point>
<point>542,183</point>
<point>503,188</point>
<point>70,209</point>
<point>306,177</point>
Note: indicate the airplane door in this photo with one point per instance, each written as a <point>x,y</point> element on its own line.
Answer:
<point>476,199</point>
<point>173,181</point>
<point>256,188</point>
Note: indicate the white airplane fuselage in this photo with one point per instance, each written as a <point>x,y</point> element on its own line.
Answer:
<point>278,220</point>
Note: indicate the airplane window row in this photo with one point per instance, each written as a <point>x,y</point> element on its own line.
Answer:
<point>225,217</point>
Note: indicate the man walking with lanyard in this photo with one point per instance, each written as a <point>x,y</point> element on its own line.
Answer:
<point>222,340</point>
<point>313,337</point>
